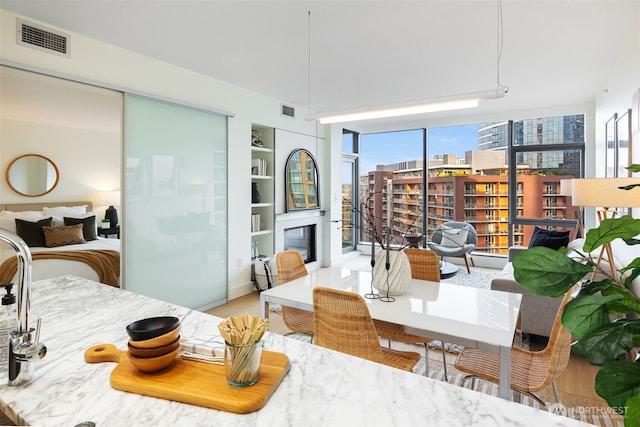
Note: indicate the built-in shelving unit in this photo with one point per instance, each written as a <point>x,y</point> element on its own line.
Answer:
<point>262,176</point>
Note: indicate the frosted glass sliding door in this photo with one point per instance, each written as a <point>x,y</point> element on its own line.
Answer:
<point>175,231</point>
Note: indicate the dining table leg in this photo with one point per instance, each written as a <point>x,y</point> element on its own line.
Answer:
<point>504,388</point>
<point>264,307</point>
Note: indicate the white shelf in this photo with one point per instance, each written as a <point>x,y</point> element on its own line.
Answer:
<point>263,158</point>
<point>263,149</point>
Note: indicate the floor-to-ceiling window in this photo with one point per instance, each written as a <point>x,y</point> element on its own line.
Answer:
<point>350,144</point>
<point>545,150</point>
<point>391,170</point>
<point>471,177</point>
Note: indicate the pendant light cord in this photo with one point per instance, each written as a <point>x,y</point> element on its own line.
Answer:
<point>309,59</point>
<point>500,45</point>
<point>309,74</point>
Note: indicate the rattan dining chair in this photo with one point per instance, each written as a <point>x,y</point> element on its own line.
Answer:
<point>290,266</point>
<point>424,266</point>
<point>531,371</point>
<point>343,323</point>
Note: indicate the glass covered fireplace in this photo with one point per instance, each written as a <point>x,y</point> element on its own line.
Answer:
<point>303,240</point>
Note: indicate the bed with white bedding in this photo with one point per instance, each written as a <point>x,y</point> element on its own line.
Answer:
<point>96,259</point>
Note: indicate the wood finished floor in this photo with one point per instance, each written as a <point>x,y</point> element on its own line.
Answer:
<point>575,385</point>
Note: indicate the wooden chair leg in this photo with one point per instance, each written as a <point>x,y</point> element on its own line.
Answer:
<point>467,263</point>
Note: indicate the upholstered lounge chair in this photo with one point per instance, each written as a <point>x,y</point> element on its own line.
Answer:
<point>449,240</point>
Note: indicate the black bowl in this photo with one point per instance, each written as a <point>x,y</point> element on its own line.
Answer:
<point>152,327</point>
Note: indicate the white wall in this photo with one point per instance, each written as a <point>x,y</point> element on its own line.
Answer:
<point>614,96</point>
<point>109,66</point>
<point>85,159</point>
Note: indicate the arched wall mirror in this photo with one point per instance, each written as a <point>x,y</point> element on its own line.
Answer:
<point>32,175</point>
<point>301,181</point>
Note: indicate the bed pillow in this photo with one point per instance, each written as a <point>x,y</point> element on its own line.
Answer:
<point>8,224</point>
<point>7,218</point>
<point>63,235</point>
<point>59,212</point>
<point>549,238</point>
<point>22,214</point>
<point>89,226</point>
<point>31,232</point>
<point>454,237</point>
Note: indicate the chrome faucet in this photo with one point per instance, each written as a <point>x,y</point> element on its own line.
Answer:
<point>22,350</point>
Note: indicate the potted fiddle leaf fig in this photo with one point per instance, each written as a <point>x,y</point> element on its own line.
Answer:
<point>604,317</point>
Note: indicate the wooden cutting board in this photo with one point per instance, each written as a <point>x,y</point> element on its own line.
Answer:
<point>196,383</point>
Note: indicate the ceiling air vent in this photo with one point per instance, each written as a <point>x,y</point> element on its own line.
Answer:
<point>42,38</point>
<point>287,111</point>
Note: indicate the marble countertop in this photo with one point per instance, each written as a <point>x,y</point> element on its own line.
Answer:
<point>323,388</point>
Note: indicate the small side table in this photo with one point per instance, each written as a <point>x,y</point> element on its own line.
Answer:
<point>448,270</point>
<point>414,240</point>
<point>106,232</point>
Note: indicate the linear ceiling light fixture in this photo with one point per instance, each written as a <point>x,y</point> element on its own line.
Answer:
<point>456,102</point>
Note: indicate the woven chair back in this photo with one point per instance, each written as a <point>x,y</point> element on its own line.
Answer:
<point>342,322</point>
<point>290,266</point>
<point>558,349</point>
<point>424,264</point>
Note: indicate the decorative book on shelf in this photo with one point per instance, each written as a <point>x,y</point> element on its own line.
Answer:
<point>259,167</point>
<point>255,222</point>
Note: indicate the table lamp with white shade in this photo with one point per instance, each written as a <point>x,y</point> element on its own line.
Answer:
<point>566,189</point>
<point>607,194</point>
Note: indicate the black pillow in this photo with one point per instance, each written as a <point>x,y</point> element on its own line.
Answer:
<point>89,224</point>
<point>31,232</point>
<point>549,238</point>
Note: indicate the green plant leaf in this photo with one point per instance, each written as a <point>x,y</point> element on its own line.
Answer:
<point>624,227</point>
<point>634,167</point>
<point>619,384</point>
<point>586,313</point>
<point>632,242</point>
<point>623,306</point>
<point>632,411</point>
<point>544,271</point>
<point>591,288</point>
<point>608,342</point>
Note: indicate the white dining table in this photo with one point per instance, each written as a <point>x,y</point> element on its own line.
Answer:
<point>473,317</point>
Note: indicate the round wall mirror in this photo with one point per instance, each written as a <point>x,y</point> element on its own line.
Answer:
<point>32,175</point>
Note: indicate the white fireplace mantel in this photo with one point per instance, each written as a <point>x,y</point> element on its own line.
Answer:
<point>299,219</point>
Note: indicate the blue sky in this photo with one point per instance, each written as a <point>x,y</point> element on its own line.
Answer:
<point>393,147</point>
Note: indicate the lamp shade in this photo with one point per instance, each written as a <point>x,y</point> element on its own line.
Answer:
<point>565,187</point>
<point>605,192</point>
<point>109,198</point>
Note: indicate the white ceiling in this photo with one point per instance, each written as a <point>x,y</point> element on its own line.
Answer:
<point>364,53</point>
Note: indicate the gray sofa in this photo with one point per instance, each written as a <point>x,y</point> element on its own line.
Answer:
<point>537,313</point>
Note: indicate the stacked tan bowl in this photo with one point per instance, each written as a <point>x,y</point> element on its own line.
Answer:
<point>153,342</point>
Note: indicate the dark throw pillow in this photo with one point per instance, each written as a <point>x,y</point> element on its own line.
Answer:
<point>31,232</point>
<point>89,223</point>
<point>549,238</point>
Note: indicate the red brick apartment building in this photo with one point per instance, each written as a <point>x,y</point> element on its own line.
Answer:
<point>481,200</point>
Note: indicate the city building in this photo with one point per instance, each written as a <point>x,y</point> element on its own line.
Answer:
<point>481,199</point>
